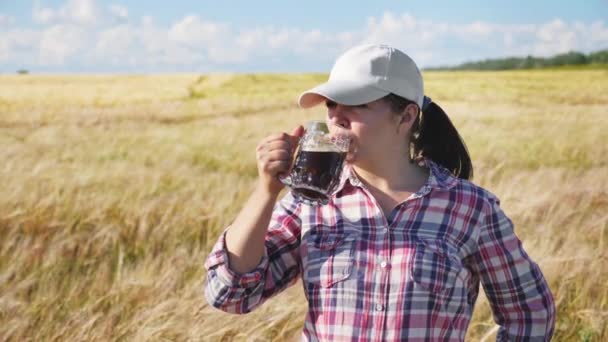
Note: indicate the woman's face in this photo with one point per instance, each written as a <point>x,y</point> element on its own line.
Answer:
<point>375,131</point>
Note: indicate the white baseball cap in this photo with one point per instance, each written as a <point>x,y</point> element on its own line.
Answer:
<point>367,73</point>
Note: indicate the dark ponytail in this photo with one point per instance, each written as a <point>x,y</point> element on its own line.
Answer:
<point>435,137</point>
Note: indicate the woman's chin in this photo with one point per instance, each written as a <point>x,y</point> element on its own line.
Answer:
<point>351,158</point>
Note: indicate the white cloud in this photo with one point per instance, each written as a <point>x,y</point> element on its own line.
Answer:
<point>193,32</point>
<point>279,39</point>
<point>81,32</point>
<point>147,20</point>
<point>19,45</point>
<point>60,43</point>
<point>479,28</point>
<point>115,41</point>
<point>215,41</point>
<point>6,20</point>
<point>253,38</point>
<point>555,37</point>
<point>82,12</point>
<point>42,15</point>
<point>225,55</point>
<point>5,48</point>
<point>598,33</point>
<point>405,28</point>
<point>120,13</point>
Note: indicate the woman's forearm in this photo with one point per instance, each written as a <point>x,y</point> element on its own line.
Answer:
<point>245,237</point>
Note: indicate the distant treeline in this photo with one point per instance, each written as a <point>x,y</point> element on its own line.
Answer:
<point>530,62</point>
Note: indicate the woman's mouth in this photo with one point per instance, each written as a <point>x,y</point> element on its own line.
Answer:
<point>340,129</point>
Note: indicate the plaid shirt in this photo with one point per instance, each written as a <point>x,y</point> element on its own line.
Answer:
<point>412,275</point>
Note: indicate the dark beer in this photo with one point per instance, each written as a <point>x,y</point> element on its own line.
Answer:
<point>317,173</point>
<point>318,164</point>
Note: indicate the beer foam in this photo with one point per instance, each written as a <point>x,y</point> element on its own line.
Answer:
<point>321,148</point>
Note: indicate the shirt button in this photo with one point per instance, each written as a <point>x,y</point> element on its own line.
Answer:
<point>383,264</point>
<point>379,307</point>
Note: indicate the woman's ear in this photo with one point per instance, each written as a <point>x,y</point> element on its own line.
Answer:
<point>405,118</point>
<point>409,114</point>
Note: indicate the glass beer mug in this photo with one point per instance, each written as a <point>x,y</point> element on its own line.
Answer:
<point>318,164</point>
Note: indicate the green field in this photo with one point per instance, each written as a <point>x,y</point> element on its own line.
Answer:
<point>114,188</point>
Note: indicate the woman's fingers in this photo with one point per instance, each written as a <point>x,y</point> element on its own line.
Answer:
<point>276,167</point>
<point>274,156</point>
<point>274,145</point>
<point>295,135</point>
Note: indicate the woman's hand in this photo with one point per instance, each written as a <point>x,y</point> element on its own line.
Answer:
<point>274,156</point>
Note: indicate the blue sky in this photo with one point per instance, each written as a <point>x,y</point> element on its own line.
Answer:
<point>123,36</point>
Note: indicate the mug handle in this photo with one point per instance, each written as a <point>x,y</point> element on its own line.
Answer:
<point>286,178</point>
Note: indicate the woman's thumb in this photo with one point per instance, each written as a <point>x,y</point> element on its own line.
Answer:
<point>297,132</point>
<point>295,135</point>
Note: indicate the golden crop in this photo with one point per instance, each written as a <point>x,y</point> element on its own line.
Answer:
<point>114,188</point>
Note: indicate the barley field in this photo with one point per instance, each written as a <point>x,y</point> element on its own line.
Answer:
<point>114,188</point>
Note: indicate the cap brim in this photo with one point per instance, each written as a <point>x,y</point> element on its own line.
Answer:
<point>342,92</point>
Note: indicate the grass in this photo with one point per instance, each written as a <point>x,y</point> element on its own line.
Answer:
<point>114,188</point>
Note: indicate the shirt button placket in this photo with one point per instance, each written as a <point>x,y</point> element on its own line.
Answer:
<point>383,260</point>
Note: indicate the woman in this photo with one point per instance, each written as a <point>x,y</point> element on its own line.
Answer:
<point>400,250</point>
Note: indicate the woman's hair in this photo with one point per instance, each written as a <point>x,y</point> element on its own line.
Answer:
<point>434,136</point>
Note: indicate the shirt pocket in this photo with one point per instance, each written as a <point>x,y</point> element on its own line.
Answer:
<point>433,267</point>
<point>329,258</point>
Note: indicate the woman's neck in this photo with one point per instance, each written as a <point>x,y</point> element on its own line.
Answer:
<point>389,189</point>
<point>392,175</point>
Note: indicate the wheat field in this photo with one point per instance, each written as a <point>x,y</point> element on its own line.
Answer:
<point>114,188</point>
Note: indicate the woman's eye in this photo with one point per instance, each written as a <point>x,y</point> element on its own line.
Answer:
<point>362,105</point>
<point>330,104</point>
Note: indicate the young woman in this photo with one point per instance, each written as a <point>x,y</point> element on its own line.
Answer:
<point>399,252</point>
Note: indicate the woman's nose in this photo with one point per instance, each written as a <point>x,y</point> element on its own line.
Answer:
<point>337,117</point>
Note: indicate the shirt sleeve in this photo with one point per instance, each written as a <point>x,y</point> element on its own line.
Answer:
<point>519,296</point>
<point>279,268</point>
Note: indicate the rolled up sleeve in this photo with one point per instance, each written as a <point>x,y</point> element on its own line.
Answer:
<point>519,295</point>
<point>240,293</point>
